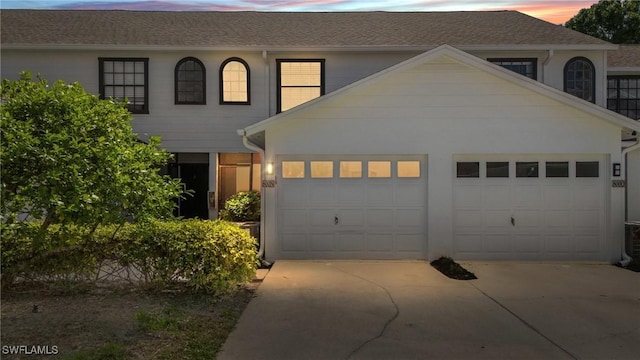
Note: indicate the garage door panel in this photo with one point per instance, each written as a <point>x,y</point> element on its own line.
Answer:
<point>556,243</point>
<point>527,243</point>
<point>526,218</point>
<point>497,219</point>
<point>409,242</point>
<point>468,243</point>
<point>294,218</point>
<point>468,197</point>
<point>322,218</point>
<point>293,241</point>
<point>557,197</point>
<point>587,220</point>
<point>410,194</point>
<point>321,193</point>
<point>412,218</point>
<point>350,242</point>
<point>465,219</point>
<point>527,196</point>
<point>296,195</point>
<point>586,243</point>
<point>322,242</point>
<point>351,217</point>
<point>497,243</point>
<point>377,218</point>
<point>559,219</point>
<point>351,192</point>
<point>495,196</point>
<point>584,197</point>
<point>379,193</point>
<point>379,243</point>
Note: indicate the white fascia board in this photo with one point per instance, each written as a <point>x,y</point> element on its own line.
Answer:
<point>471,60</point>
<point>364,48</point>
<point>627,69</point>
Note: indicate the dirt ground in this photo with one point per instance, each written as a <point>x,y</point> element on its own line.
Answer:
<point>79,322</point>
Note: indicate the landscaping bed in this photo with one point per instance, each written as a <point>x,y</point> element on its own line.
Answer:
<point>452,269</point>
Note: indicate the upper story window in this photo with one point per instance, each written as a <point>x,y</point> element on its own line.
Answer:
<point>580,78</point>
<point>190,82</point>
<point>299,81</point>
<point>234,82</point>
<point>125,78</point>
<point>526,67</point>
<point>623,95</point>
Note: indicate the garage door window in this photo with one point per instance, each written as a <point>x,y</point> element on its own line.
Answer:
<point>468,169</point>
<point>351,169</point>
<point>557,169</point>
<point>498,169</point>
<point>408,169</point>
<point>322,169</point>
<point>587,169</point>
<point>379,169</point>
<point>527,169</point>
<point>293,169</point>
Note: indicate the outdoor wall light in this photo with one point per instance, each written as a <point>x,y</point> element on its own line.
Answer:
<point>269,169</point>
<point>616,169</point>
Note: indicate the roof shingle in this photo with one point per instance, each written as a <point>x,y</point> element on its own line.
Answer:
<point>281,29</point>
<point>625,56</point>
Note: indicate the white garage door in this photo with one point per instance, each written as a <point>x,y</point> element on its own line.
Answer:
<point>352,207</point>
<point>530,207</point>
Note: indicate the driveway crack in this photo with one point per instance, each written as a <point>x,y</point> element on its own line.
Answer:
<point>527,324</point>
<point>386,324</point>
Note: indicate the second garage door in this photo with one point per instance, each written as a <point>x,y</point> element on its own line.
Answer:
<point>352,207</point>
<point>530,207</point>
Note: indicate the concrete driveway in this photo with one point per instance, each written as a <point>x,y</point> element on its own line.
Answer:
<point>408,310</point>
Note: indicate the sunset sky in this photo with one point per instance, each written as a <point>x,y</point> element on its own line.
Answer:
<point>554,11</point>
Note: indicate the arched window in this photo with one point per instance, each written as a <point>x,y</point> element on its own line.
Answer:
<point>580,78</point>
<point>190,83</point>
<point>235,82</point>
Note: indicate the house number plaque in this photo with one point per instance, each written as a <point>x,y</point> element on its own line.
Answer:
<point>268,183</point>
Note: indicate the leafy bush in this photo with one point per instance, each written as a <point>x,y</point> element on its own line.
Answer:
<point>202,254</point>
<point>243,206</point>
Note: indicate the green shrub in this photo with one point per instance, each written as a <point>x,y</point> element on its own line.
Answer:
<point>205,255</point>
<point>243,206</point>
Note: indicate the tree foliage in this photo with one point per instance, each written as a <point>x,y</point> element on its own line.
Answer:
<point>70,158</point>
<point>616,21</point>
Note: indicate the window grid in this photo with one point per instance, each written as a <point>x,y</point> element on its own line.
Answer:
<point>579,78</point>
<point>299,81</point>
<point>122,78</point>
<point>623,95</point>
<point>190,82</point>
<point>526,67</point>
<point>235,82</point>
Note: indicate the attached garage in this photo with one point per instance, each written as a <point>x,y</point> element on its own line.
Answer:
<point>352,207</point>
<point>444,154</point>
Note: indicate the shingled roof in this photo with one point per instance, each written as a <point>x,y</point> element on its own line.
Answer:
<point>268,30</point>
<point>625,56</point>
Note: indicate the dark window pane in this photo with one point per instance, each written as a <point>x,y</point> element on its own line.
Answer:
<point>526,169</point>
<point>497,169</point>
<point>468,169</point>
<point>557,169</point>
<point>587,169</point>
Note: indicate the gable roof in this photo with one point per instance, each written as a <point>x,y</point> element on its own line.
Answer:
<point>284,30</point>
<point>256,131</point>
<point>626,56</point>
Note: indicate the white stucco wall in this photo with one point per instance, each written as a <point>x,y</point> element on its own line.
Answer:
<point>441,109</point>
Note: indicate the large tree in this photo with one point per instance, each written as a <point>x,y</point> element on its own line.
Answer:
<point>69,157</point>
<point>616,21</point>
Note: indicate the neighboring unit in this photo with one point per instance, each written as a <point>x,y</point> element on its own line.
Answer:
<point>477,135</point>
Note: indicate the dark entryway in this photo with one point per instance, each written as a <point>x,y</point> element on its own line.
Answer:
<point>193,170</point>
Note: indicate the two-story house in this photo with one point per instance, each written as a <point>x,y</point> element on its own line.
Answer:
<point>371,135</point>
